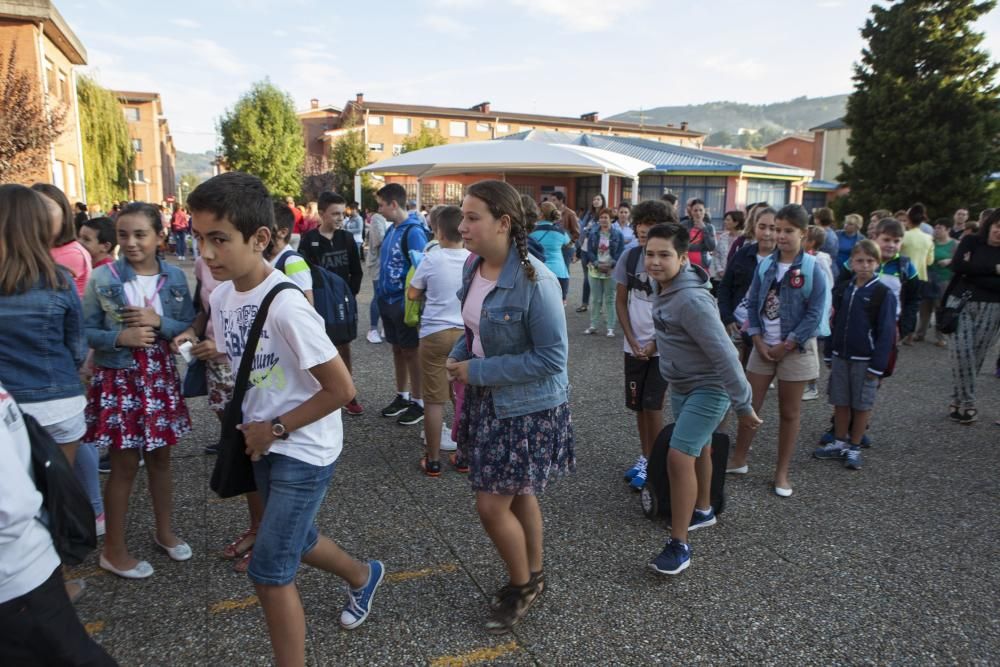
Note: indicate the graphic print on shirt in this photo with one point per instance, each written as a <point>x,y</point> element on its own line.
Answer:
<point>265,371</point>
<point>772,304</point>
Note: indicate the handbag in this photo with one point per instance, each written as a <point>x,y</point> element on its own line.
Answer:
<point>948,312</point>
<point>195,380</point>
<point>233,472</point>
<point>70,515</point>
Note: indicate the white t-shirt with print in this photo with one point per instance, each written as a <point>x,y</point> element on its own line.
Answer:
<point>640,301</point>
<point>292,341</point>
<point>772,307</point>
<point>440,276</point>
<point>296,268</point>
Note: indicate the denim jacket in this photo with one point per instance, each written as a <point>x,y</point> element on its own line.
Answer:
<point>43,345</point>
<point>106,294</point>
<point>523,331</point>
<point>800,313</point>
<point>616,244</point>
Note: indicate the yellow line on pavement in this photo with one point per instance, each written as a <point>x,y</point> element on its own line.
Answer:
<point>397,577</point>
<point>230,605</point>
<point>472,657</point>
<point>94,628</point>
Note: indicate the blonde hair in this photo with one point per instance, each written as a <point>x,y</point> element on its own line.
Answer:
<point>853,219</point>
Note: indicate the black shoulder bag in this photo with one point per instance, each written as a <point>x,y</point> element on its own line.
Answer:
<point>233,473</point>
<point>70,515</point>
<point>947,314</point>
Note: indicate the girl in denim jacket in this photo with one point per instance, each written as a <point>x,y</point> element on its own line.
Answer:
<point>132,309</point>
<point>515,431</point>
<point>784,322</point>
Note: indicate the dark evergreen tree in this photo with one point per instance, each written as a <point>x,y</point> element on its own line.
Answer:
<point>924,115</point>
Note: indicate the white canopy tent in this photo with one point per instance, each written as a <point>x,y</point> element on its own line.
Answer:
<point>508,156</point>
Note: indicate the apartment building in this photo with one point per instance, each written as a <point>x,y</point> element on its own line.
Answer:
<point>50,51</point>
<point>386,126</point>
<point>154,177</point>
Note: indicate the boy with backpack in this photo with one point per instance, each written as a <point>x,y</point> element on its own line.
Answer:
<point>863,332</point>
<point>291,410</point>
<point>644,386</point>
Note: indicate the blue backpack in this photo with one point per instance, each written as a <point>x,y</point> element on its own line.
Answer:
<point>808,269</point>
<point>333,300</point>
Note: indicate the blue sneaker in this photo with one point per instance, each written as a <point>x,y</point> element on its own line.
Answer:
<point>852,458</point>
<point>674,559</point>
<point>865,442</point>
<point>639,479</point>
<point>833,450</point>
<point>359,602</point>
<point>634,470</point>
<point>826,438</point>
<point>700,519</point>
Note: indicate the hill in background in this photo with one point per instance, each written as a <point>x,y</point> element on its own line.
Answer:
<point>745,125</point>
<point>199,164</point>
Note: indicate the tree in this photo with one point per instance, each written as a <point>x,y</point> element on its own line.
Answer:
<point>425,139</point>
<point>719,138</point>
<point>924,113</point>
<point>27,127</point>
<point>262,135</point>
<point>187,182</point>
<point>349,154</point>
<point>108,156</point>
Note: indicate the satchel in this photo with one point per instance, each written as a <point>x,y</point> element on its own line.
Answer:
<point>233,472</point>
<point>70,514</point>
<point>948,312</point>
<point>195,380</point>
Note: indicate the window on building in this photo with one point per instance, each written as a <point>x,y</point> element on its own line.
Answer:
<point>710,189</point>
<point>63,91</point>
<point>58,176</point>
<point>526,190</point>
<point>811,200</point>
<point>132,114</point>
<point>586,189</point>
<point>137,145</point>
<point>376,148</point>
<point>400,125</point>
<point>376,120</point>
<point>411,191</point>
<point>431,124</point>
<point>453,193</point>
<point>71,190</point>
<point>50,77</point>
<point>482,127</point>
<point>458,128</point>
<point>773,192</point>
<point>503,128</point>
<point>397,149</point>
<point>430,194</point>
<point>140,176</point>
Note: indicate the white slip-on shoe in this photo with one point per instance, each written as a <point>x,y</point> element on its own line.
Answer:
<point>142,570</point>
<point>782,492</point>
<point>180,552</point>
<point>742,470</point>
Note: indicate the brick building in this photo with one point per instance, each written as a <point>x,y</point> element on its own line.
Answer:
<point>154,177</point>
<point>49,50</point>
<point>793,150</point>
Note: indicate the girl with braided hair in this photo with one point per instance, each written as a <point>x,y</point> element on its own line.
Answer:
<point>515,432</point>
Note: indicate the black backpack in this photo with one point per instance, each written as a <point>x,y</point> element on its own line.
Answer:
<point>333,300</point>
<point>70,515</point>
<point>632,280</point>
<point>655,496</point>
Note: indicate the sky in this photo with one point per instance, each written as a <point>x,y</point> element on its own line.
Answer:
<point>556,57</point>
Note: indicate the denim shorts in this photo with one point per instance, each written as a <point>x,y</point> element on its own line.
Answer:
<point>696,416</point>
<point>850,385</point>
<point>292,492</point>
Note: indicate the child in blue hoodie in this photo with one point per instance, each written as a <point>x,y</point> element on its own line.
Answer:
<point>702,367</point>
<point>864,328</point>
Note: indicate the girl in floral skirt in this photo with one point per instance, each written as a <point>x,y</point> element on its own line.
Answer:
<point>515,432</point>
<point>132,308</point>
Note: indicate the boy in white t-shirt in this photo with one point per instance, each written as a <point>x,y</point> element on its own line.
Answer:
<point>291,410</point>
<point>437,281</point>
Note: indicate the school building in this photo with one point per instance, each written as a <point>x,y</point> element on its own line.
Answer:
<point>49,51</point>
<point>154,175</point>
<point>831,149</point>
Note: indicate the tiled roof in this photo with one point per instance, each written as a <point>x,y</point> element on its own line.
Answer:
<point>836,124</point>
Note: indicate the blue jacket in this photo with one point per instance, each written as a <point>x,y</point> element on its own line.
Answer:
<point>106,294</point>
<point>617,244</point>
<point>552,239</point>
<point>736,281</point>
<point>392,265</point>
<point>43,344</point>
<point>854,336</point>
<point>523,331</point>
<point>845,244</point>
<point>800,313</point>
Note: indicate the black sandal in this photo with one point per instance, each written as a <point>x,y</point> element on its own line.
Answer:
<point>514,604</point>
<point>537,580</point>
<point>582,309</point>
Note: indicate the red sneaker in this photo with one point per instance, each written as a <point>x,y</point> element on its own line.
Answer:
<point>354,408</point>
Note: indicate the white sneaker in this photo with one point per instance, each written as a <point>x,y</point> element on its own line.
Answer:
<point>811,393</point>
<point>590,330</point>
<point>447,444</point>
<point>373,337</point>
<point>611,333</point>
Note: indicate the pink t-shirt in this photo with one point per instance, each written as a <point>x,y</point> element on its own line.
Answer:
<point>208,285</point>
<point>75,258</point>
<point>473,308</point>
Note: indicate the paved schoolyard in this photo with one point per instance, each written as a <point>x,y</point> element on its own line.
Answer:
<point>893,564</point>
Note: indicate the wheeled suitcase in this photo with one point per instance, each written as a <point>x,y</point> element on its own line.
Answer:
<point>655,496</point>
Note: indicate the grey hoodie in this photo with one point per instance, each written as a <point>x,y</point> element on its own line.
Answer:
<point>695,350</point>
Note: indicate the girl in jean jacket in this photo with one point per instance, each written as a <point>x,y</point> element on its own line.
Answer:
<point>784,321</point>
<point>132,309</point>
<point>515,432</point>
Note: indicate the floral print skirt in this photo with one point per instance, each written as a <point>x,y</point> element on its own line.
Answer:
<point>516,455</point>
<point>139,407</point>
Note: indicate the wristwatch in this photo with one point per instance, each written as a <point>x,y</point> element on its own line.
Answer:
<point>278,429</point>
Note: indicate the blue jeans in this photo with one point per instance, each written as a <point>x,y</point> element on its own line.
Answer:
<point>180,238</point>
<point>696,416</point>
<point>373,308</point>
<point>292,492</point>
<point>586,281</point>
<point>85,469</point>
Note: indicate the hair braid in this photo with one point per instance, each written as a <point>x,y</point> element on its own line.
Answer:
<point>520,240</point>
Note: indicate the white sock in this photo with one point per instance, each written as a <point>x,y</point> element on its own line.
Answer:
<point>405,395</point>
<point>419,401</point>
<point>707,510</point>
